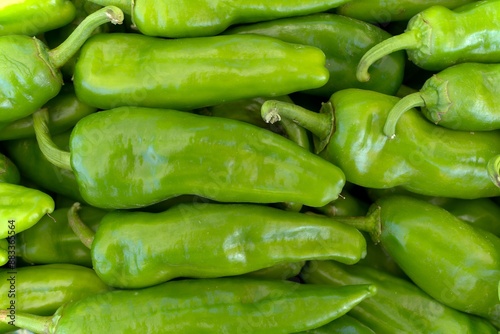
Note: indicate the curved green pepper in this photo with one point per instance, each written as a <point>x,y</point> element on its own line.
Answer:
<point>203,306</point>
<point>383,11</point>
<point>423,158</point>
<point>32,17</point>
<point>65,110</point>
<point>344,41</point>
<point>438,37</point>
<point>41,290</point>
<point>33,165</point>
<point>461,97</point>
<point>343,325</point>
<point>21,208</point>
<point>129,248</point>
<point>124,69</point>
<point>494,170</point>
<point>399,306</point>
<point>452,261</point>
<point>144,156</point>
<point>30,72</point>
<point>185,18</point>
<point>52,240</point>
<point>9,173</point>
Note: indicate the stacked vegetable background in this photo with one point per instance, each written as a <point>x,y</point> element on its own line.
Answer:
<point>250,167</point>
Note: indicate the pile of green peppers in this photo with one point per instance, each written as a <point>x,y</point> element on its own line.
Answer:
<point>313,166</point>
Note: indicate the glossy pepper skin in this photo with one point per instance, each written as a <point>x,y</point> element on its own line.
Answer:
<point>21,207</point>
<point>438,38</point>
<point>185,18</point>
<point>343,325</point>
<point>41,290</point>
<point>344,41</point>
<point>383,11</point>
<point>65,110</point>
<point>175,153</point>
<point>461,97</point>
<point>52,240</point>
<point>32,17</point>
<point>9,173</point>
<point>30,71</point>
<point>202,306</point>
<point>422,158</point>
<point>33,165</point>
<point>399,306</point>
<point>139,249</point>
<point>452,261</point>
<point>120,69</point>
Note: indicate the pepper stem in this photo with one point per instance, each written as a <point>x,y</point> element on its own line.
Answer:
<point>34,323</point>
<point>493,168</point>
<point>82,231</point>
<point>407,40</point>
<point>406,103</point>
<point>370,223</point>
<point>52,153</point>
<point>63,53</point>
<point>320,124</point>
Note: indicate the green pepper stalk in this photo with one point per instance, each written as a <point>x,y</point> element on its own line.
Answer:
<point>424,158</point>
<point>249,238</point>
<point>184,18</point>
<point>178,153</point>
<point>226,305</point>
<point>454,262</point>
<point>461,97</point>
<point>31,72</point>
<point>438,37</point>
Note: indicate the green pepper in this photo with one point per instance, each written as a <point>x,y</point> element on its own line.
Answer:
<point>346,205</point>
<point>33,165</point>
<point>481,212</point>
<point>284,270</point>
<point>438,37</point>
<point>41,290</point>
<point>454,262</point>
<point>344,41</point>
<point>64,111</point>
<point>494,170</point>
<point>52,240</point>
<point>223,305</point>
<point>30,72</point>
<point>185,18</point>
<point>123,69</point>
<point>424,158</point>
<point>132,157</point>
<point>9,173</point>
<point>129,247</point>
<point>461,97</point>
<point>399,306</point>
<point>383,11</point>
<point>32,17</point>
<point>21,208</point>
<point>343,325</point>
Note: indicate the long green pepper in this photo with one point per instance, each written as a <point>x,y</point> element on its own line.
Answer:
<point>188,18</point>
<point>203,306</point>
<point>139,249</point>
<point>133,157</point>
<point>438,37</point>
